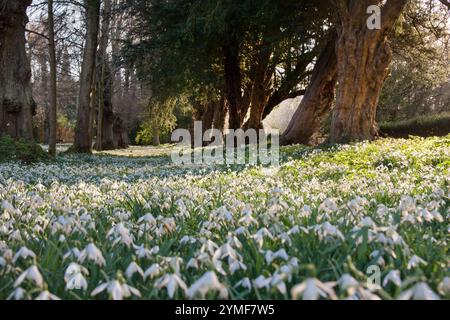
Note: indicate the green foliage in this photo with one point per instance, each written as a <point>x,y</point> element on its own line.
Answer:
<point>180,46</point>
<point>424,126</point>
<point>420,73</point>
<point>20,150</point>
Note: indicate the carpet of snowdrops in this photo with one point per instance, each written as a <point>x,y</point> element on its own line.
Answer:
<point>319,226</point>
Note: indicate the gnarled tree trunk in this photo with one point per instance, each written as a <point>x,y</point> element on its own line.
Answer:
<point>83,134</point>
<point>53,97</point>
<point>363,57</point>
<point>105,118</point>
<point>261,88</point>
<point>233,83</point>
<point>220,114</point>
<point>16,102</point>
<point>318,99</point>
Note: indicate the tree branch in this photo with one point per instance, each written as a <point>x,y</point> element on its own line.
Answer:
<point>37,33</point>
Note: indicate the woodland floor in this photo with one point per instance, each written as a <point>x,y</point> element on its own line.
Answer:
<point>130,224</point>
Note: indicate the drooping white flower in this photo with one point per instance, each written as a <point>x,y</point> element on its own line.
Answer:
<point>171,282</point>
<point>420,291</point>
<point>7,206</point>
<point>116,290</point>
<point>153,271</point>
<point>394,277</point>
<point>45,295</point>
<point>280,254</point>
<point>347,282</point>
<point>262,282</point>
<point>207,283</point>
<point>76,282</point>
<point>313,289</point>
<point>74,277</point>
<point>132,269</point>
<point>244,283</point>
<point>18,294</point>
<point>31,274</point>
<point>24,253</point>
<point>92,253</point>
<point>444,286</point>
<point>415,261</point>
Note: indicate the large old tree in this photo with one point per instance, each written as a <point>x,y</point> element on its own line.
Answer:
<point>16,102</point>
<point>83,130</point>
<point>317,101</point>
<point>363,56</point>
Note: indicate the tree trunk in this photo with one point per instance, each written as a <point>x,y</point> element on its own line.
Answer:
<point>105,137</point>
<point>220,114</point>
<point>233,84</point>
<point>83,137</point>
<point>52,58</point>
<point>260,88</point>
<point>16,102</point>
<point>317,101</point>
<point>156,141</point>
<point>364,56</point>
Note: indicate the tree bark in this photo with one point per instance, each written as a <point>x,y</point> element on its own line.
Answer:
<point>317,101</point>
<point>287,89</point>
<point>16,102</point>
<point>220,114</point>
<point>156,140</point>
<point>260,88</point>
<point>233,84</point>
<point>53,102</point>
<point>364,56</point>
<point>83,135</point>
<point>105,135</point>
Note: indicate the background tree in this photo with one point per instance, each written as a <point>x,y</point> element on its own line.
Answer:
<point>53,95</point>
<point>16,102</point>
<point>83,130</point>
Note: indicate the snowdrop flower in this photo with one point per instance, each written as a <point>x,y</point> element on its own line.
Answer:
<point>74,252</point>
<point>74,269</point>
<point>244,283</point>
<point>313,289</point>
<point>305,212</point>
<point>172,282</point>
<point>415,261</point>
<point>394,277</point>
<point>420,291</point>
<point>153,271</point>
<point>8,207</point>
<point>192,263</point>
<point>237,265</point>
<point>116,290</point>
<point>142,252</point>
<point>328,206</point>
<point>91,252</point>
<point>280,254</point>
<point>347,282</point>
<point>24,253</point>
<point>45,295</point>
<point>444,286</point>
<point>132,269</point>
<point>31,274</point>
<point>76,282</point>
<point>207,283</point>
<point>18,294</point>
<point>262,282</point>
<point>328,229</point>
<point>368,222</point>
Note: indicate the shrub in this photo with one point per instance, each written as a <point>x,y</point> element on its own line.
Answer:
<point>424,126</point>
<point>20,150</point>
